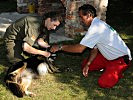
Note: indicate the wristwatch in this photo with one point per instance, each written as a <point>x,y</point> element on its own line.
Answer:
<point>60,46</point>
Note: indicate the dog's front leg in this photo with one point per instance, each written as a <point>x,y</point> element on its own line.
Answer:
<point>28,93</point>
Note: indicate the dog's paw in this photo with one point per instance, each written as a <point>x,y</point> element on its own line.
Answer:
<point>31,94</point>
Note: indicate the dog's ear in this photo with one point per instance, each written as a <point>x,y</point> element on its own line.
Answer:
<point>16,72</point>
<point>16,89</point>
<point>12,82</point>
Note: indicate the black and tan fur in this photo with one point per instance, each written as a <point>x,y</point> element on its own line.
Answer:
<point>19,77</point>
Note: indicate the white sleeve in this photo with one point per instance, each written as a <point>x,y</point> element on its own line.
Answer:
<point>91,38</point>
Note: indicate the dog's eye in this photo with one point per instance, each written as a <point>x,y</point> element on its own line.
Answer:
<point>13,75</point>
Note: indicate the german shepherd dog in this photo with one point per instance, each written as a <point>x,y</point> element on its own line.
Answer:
<point>19,77</point>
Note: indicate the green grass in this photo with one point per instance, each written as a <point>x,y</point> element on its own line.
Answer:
<point>72,85</point>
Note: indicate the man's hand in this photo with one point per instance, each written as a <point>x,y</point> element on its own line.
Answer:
<point>85,70</point>
<point>93,55</point>
<point>46,54</point>
<point>29,49</point>
<point>54,48</point>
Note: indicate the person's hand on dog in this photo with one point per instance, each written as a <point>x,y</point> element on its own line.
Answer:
<point>46,54</point>
<point>54,48</point>
<point>85,70</point>
<point>46,45</point>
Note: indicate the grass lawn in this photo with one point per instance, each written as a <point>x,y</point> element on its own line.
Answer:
<point>72,85</point>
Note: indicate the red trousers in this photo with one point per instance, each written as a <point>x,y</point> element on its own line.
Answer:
<point>112,70</point>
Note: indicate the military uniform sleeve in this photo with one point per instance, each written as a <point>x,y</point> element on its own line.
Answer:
<point>45,35</point>
<point>31,30</point>
<point>31,36</point>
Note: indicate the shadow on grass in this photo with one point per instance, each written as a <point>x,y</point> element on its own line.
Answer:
<point>76,83</point>
<point>3,63</point>
<point>80,85</point>
<point>88,87</point>
<point>3,71</point>
<point>2,75</point>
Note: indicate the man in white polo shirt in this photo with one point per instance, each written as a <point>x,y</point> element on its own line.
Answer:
<point>108,50</point>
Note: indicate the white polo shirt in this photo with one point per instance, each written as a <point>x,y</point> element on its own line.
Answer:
<point>106,39</point>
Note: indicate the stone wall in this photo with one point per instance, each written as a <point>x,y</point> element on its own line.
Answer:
<point>27,6</point>
<point>45,6</point>
<point>72,24</point>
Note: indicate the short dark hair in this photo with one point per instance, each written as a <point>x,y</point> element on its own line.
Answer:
<point>54,16</point>
<point>88,9</point>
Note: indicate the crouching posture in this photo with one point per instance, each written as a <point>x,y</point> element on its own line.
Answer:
<point>28,35</point>
<point>19,77</point>
<point>29,32</point>
<point>108,50</point>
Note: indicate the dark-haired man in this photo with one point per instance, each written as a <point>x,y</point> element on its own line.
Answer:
<point>109,52</point>
<point>25,32</point>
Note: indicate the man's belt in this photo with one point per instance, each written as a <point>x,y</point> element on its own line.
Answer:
<point>126,59</point>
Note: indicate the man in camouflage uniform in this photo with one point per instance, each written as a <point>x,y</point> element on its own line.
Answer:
<point>25,35</point>
<point>25,32</point>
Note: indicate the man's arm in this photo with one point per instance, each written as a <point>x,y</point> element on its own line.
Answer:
<point>93,54</point>
<point>77,48</point>
<point>30,49</point>
<point>43,44</point>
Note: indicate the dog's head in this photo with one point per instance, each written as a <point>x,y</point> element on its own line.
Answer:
<point>14,81</point>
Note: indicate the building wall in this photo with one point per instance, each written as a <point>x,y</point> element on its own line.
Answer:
<point>69,9</point>
<point>72,26</point>
<point>45,6</point>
